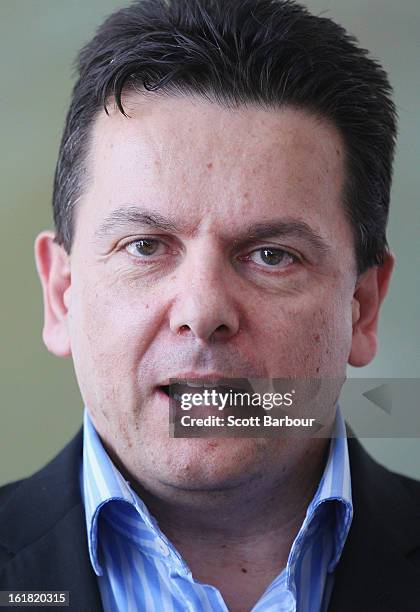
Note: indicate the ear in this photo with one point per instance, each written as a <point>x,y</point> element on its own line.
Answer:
<point>370,291</point>
<point>53,265</point>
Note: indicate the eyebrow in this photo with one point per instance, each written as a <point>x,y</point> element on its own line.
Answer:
<point>289,227</point>
<point>134,215</point>
<point>129,216</point>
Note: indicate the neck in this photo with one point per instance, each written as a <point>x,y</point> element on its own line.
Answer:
<point>238,539</point>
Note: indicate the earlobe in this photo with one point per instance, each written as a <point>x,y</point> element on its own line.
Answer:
<point>53,265</point>
<point>370,291</point>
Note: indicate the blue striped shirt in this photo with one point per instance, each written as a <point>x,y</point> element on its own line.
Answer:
<point>139,569</point>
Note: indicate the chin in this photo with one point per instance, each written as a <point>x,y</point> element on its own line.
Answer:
<point>210,463</point>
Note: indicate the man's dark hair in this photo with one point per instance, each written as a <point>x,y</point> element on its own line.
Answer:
<point>272,53</point>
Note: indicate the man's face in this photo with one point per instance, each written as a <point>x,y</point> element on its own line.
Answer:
<point>200,295</point>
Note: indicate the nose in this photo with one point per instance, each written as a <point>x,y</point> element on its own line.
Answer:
<point>205,306</point>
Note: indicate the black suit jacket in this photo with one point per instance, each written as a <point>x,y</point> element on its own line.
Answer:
<point>43,542</point>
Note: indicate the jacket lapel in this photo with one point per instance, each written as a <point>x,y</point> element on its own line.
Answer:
<point>375,573</point>
<point>49,552</point>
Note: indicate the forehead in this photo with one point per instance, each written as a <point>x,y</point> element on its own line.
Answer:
<point>187,156</point>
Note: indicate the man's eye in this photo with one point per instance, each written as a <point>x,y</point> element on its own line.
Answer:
<point>145,247</point>
<point>273,257</point>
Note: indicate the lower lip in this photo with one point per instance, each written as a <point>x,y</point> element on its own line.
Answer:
<point>162,393</point>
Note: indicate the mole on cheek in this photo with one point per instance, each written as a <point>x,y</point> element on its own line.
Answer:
<point>210,165</point>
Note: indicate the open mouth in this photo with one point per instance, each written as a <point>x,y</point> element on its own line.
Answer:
<point>220,395</point>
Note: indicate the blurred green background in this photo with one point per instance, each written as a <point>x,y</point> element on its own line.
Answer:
<point>41,406</point>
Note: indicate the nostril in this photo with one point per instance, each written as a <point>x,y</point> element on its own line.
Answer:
<point>222,328</point>
<point>183,330</point>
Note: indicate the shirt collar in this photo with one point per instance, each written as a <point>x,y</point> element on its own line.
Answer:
<point>334,489</point>
<point>101,482</point>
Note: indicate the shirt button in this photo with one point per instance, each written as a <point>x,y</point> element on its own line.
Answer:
<point>163,549</point>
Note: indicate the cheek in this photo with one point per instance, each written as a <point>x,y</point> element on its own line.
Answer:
<point>309,338</point>
<point>329,335</point>
<point>109,334</point>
